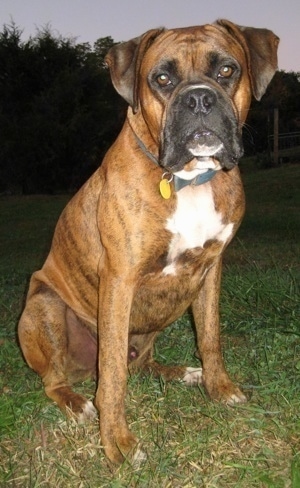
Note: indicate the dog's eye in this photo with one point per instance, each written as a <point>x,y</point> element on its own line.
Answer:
<point>226,72</point>
<point>163,80</point>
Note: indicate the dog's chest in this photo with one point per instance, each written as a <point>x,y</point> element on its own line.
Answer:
<point>194,222</point>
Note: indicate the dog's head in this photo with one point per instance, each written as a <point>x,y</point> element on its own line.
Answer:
<point>190,89</point>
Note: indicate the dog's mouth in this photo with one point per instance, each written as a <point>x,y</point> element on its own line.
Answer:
<point>202,150</point>
<point>204,147</point>
<point>198,165</point>
<point>203,144</point>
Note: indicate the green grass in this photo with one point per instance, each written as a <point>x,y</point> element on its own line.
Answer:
<point>191,441</point>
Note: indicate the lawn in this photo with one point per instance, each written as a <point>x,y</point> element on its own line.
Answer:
<point>191,441</point>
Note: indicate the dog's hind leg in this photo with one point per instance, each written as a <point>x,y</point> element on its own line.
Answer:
<point>140,357</point>
<point>47,334</point>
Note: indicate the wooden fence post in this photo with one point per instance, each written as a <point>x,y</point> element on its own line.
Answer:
<point>276,132</point>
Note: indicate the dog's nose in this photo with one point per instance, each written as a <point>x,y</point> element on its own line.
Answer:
<point>200,100</point>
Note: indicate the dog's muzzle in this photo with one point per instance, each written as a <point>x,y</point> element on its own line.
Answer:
<point>201,124</point>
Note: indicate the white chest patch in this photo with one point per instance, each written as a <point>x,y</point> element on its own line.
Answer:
<point>194,222</point>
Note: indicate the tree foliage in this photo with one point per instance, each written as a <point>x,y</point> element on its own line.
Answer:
<point>59,111</point>
<point>283,93</point>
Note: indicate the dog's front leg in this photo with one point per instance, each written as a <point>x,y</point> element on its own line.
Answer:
<point>206,316</point>
<point>115,299</point>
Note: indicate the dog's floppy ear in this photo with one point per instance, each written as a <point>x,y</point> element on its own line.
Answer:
<point>260,46</point>
<point>124,62</point>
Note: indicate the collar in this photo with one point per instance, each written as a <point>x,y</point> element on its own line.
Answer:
<point>179,183</point>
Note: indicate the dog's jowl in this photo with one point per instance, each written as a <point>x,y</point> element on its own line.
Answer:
<point>142,241</point>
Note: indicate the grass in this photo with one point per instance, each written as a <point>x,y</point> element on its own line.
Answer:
<point>191,441</point>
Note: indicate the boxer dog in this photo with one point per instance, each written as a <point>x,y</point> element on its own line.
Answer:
<point>142,240</point>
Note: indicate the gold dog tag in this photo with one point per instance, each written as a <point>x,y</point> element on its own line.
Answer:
<point>165,187</point>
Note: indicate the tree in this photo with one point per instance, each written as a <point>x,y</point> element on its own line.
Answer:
<point>283,93</point>
<point>57,111</point>
<point>101,47</point>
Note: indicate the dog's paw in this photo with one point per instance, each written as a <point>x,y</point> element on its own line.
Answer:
<point>89,413</point>
<point>138,458</point>
<point>235,398</point>
<point>225,392</point>
<point>192,376</point>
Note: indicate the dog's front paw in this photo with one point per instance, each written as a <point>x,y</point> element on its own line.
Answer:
<point>121,448</point>
<point>236,397</point>
<point>224,390</point>
<point>138,458</point>
<point>192,376</point>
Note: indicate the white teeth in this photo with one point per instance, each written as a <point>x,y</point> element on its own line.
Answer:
<point>205,163</point>
<point>205,151</point>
